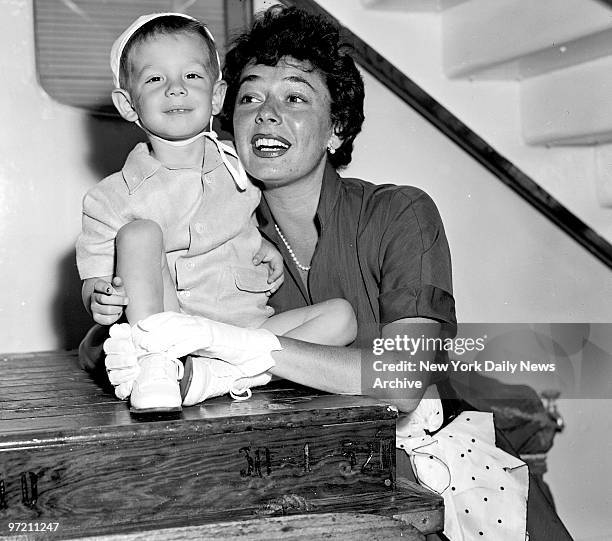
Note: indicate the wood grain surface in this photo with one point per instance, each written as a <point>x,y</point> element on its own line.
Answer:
<point>340,526</point>
<point>70,452</point>
<point>44,391</point>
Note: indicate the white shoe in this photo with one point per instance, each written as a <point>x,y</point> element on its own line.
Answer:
<point>157,386</point>
<point>206,378</point>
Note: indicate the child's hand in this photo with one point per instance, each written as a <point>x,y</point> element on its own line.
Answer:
<point>108,301</point>
<point>269,255</point>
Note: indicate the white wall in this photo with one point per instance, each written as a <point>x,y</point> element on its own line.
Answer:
<point>50,155</point>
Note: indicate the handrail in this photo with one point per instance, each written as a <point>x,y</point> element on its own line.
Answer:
<point>413,95</point>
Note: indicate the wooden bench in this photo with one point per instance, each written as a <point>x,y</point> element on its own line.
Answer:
<point>72,454</point>
<point>345,526</point>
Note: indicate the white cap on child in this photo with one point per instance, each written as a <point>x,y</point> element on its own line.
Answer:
<point>120,43</point>
<point>238,173</point>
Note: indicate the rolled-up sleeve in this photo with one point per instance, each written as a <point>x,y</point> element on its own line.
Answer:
<point>95,246</point>
<point>415,263</point>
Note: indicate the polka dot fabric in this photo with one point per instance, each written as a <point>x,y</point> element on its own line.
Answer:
<point>484,488</point>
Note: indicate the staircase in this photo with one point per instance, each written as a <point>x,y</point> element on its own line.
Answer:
<point>560,52</point>
<point>558,55</point>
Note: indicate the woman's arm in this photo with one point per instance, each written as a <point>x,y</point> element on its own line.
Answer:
<point>339,369</point>
<point>329,368</point>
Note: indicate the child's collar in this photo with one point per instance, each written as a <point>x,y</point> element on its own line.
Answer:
<point>238,173</point>
<point>140,165</point>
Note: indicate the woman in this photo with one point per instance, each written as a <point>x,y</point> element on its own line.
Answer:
<point>295,99</point>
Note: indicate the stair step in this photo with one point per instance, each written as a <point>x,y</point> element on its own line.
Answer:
<point>411,5</point>
<point>519,38</point>
<point>569,106</point>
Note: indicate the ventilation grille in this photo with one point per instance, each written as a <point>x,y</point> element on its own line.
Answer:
<point>74,37</point>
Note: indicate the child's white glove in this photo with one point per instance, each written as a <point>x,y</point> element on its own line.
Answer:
<point>121,359</point>
<point>182,334</point>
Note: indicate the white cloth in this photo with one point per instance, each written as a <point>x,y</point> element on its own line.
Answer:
<point>180,334</point>
<point>120,43</point>
<point>484,488</point>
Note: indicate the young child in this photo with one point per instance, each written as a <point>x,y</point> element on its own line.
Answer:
<point>177,223</point>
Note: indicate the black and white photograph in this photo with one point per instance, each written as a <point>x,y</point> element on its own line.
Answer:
<point>306,269</point>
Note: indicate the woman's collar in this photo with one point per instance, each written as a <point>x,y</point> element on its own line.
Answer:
<point>330,190</point>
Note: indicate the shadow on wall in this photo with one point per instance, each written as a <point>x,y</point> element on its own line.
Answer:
<point>110,141</point>
<point>69,316</point>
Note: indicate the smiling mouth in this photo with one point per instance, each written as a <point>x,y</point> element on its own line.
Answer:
<point>268,146</point>
<point>177,111</point>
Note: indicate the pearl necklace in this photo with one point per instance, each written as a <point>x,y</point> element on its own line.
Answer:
<point>304,268</point>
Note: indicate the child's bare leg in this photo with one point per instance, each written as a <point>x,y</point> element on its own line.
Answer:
<point>329,323</point>
<point>143,267</point>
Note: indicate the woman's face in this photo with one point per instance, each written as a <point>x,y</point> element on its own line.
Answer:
<point>282,122</point>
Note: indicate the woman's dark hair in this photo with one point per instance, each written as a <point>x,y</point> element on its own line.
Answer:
<point>291,32</point>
